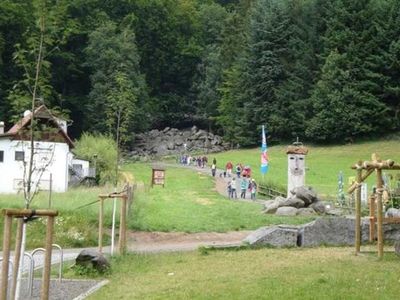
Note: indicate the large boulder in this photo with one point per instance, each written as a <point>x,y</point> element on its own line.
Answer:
<point>306,211</point>
<point>319,207</point>
<point>305,193</point>
<point>293,201</point>
<point>331,231</point>
<point>286,211</point>
<point>271,207</point>
<point>92,258</point>
<point>276,236</point>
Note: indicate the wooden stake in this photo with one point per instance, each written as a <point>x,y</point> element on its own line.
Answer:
<point>101,213</point>
<point>379,185</point>
<point>17,256</point>
<point>358,212</point>
<point>122,226</point>
<point>372,218</point>
<point>6,256</point>
<point>47,259</point>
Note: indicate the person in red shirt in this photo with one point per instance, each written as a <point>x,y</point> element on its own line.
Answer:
<point>229,168</point>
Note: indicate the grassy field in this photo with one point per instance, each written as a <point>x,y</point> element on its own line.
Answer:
<point>313,273</point>
<point>190,203</point>
<point>323,163</point>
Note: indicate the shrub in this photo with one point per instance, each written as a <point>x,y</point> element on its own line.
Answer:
<point>99,149</point>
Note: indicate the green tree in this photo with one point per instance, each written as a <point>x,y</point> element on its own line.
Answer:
<point>117,85</point>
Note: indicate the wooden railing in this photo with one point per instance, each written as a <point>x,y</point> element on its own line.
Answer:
<point>268,192</point>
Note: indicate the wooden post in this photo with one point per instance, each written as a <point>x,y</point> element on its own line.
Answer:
<point>101,213</point>
<point>122,225</point>
<point>17,256</point>
<point>372,204</point>
<point>6,256</point>
<point>47,258</point>
<point>379,185</point>
<point>358,212</point>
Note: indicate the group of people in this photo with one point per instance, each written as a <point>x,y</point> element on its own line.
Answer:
<point>200,161</point>
<point>245,184</point>
<point>242,178</point>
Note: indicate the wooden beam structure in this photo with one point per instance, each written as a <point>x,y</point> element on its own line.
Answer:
<point>124,197</point>
<point>19,214</point>
<point>375,201</point>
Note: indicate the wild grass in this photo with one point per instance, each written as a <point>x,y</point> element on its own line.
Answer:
<point>297,273</point>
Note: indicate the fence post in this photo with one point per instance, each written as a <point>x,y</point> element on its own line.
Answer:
<point>17,256</point>
<point>47,258</point>
<point>6,256</point>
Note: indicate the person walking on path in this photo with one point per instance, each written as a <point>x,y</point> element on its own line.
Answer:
<point>238,170</point>
<point>229,168</point>
<point>253,189</point>
<point>229,189</point>
<point>213,169</point>
<point>244,185</point>
<point>233,188</point>
<point>214,161</point>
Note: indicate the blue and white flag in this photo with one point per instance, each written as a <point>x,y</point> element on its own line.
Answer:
<point>264,154</point>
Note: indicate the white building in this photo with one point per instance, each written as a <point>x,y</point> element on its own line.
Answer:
<point>52,153</point>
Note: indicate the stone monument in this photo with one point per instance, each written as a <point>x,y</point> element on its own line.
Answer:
<point>296,166</point>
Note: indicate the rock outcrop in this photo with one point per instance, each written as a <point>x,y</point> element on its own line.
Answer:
<point>172,141</point>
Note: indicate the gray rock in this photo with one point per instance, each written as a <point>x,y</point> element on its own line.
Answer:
<point>392,213</point>
<point>272,207</point>
<point>293,201</point>
<point>171,145</point>
<point>171,141</point>
<point>286,211</point>
<point>305,193</point>
<point>319,207</point>
<point>267,203</point>
<point>306,211</point>
<point>397,248</point>
<point>331,231</point>
<point>335,212</point>
<point>277,236</point>
<point>92,258</point>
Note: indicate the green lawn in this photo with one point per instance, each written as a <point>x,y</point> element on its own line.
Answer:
<point>297,273</point>
<point>323,163</point>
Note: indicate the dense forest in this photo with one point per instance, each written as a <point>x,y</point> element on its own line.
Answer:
<point>322,70</point>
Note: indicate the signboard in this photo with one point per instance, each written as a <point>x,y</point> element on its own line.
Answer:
<point>158,177</point>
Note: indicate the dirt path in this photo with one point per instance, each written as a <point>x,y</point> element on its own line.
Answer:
<point>180,241</point>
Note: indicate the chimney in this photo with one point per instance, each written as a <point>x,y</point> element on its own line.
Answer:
<point>1,127</point>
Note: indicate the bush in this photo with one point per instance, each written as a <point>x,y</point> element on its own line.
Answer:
<point>99,149</point>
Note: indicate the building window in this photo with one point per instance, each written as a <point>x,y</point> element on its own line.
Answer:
<point>1,156</point>
<point>19,155</point>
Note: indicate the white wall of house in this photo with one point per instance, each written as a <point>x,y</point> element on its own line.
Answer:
<point>12,171</point>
